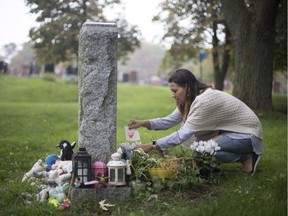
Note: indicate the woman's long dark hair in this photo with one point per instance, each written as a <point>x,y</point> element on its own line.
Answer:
<point>185,78</point>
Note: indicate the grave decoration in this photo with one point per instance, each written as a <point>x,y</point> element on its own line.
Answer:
<point>81,167</point>
<point>116,170</point>
<point>129,165</point>
<point>51,178</point>
<point>66,151</point>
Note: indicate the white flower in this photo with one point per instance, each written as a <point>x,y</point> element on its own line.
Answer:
<point>204,147</point>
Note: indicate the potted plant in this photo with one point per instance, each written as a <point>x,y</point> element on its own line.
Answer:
<point>149,167</point>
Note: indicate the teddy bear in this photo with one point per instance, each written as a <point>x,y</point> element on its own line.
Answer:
<point>58,177</point>
<point>66,166</point>
<point>43,194</point>
<point>58,192</point>
<point>38,167</point>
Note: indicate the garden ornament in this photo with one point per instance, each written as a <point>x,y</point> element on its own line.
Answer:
<point>39,166</point>
<point>66,151</point>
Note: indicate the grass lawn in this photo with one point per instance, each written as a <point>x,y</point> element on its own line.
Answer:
<point>36,114</point>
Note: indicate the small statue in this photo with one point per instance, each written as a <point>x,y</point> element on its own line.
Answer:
<point>77,183</point>
<point>102,179</point>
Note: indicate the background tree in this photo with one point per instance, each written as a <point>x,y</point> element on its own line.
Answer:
<point>280,48</point>
<point>194,25</point>
<point>56,37</point>
<point>252,26</point>
<point>8,50</point>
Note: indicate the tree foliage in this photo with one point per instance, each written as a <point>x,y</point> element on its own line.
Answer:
<point>56,37</point>
<point>251,31</point>
<point>194,25</point>
<point>8,50</point>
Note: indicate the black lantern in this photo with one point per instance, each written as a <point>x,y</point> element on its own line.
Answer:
<point>82,166</point>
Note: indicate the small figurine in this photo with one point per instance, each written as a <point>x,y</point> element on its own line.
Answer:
<point>102,179</point>
<point>128,168</point>
<point>77,183</point>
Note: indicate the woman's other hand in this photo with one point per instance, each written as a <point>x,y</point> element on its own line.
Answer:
<point>134,124</point>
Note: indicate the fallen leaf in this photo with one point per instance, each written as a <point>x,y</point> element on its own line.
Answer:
<point>103,205</point>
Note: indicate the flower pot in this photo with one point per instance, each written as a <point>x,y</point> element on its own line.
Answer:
<point>161,174</point>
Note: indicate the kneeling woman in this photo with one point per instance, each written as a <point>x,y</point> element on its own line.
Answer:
<point>206,113</point>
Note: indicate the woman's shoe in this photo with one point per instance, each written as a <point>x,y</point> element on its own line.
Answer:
<point>255,161</point>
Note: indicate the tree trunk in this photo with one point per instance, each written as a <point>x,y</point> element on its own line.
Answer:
<point>215,55</point>
<point>253,32</point>
<point>220,72</point>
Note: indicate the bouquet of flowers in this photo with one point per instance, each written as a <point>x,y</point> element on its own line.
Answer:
<point>205,147</point>
<point>204,156</point>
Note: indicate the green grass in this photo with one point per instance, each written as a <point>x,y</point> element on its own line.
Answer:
<point>36,114</point>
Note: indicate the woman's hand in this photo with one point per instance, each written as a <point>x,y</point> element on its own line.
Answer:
<point>134,124</point>
<point>146,147</point>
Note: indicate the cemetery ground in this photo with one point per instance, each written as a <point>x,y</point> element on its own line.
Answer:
<point>37,113</point>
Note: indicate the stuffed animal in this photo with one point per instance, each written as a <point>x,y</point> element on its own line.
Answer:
<point>59,192</point>
<point>43,195</point>
<point>50,160</point>
<point>66,166</point>
<point>39,166</point>
<point>58,177</point>
<point>66,151</point>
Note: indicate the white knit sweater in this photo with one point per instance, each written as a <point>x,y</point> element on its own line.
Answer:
<point>216,110</point>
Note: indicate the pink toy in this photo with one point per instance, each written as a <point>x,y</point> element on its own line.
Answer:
<point>99,169</point>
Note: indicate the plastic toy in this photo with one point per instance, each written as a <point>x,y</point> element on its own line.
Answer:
<point>77,183</point>
<point>66,204</point>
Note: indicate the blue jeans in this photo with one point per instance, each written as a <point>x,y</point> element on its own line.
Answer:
<point>232,150</point>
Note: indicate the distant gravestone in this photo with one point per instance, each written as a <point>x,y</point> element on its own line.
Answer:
<point>98,89</point>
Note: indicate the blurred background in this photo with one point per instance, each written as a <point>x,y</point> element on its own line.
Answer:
<point>40,37</point>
